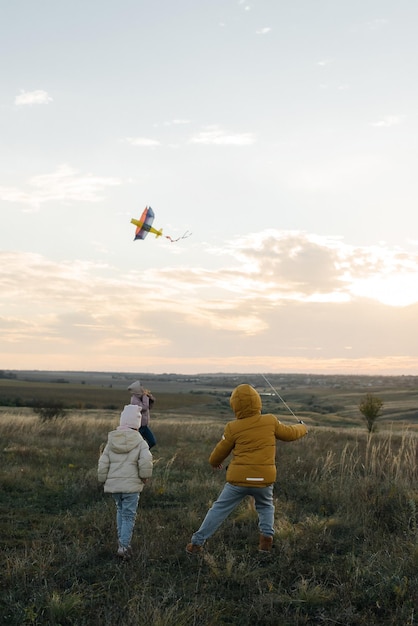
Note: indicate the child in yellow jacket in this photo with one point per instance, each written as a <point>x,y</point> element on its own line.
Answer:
<point>251,438</point>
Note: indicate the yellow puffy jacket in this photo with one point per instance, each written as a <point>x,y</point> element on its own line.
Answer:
<point>252,440</point>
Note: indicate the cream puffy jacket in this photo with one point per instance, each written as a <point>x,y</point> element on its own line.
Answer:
<point>125,460</point>
<point>252,440</point>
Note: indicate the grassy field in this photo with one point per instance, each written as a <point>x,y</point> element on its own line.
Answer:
<point>320,400</point>
<point>346,543</point>
<point>86,396</point>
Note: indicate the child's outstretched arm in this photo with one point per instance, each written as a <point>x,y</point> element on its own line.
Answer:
<point>290,433</point>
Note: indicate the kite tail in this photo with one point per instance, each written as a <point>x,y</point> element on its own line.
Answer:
<point>184,236</point>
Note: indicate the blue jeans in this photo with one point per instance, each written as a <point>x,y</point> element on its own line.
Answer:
<point>126,506</point>
<point>148,435</point>
<point>229,498</point>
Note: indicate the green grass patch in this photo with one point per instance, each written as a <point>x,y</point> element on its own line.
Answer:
<point>15,393</point>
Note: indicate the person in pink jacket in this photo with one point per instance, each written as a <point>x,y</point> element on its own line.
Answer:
<point>124,467</point>
<point>144,399</point>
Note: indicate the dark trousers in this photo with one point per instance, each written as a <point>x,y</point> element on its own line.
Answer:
<point>148,435</point>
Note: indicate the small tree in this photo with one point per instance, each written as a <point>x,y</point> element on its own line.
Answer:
<point>370,407</point>
<point>49,410</point>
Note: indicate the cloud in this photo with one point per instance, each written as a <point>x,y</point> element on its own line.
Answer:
<point>266,270</point>
<point>32,97</point>
<point>213,135</point>
<point>276,295</point>
<point>143,142</point>
<point>377,23</point>
<point>210,135</point>
<point>305,267</point>
<point>387,121</point>
<point>64,185</point>
<point>263,31</point>
<point>269,267</point>
<point>177,122</point>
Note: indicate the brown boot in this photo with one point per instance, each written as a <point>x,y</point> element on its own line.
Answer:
<point>265,543</point>
<point>194,549</point>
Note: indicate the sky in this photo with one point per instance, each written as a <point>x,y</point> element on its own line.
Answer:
<point>281,134</point>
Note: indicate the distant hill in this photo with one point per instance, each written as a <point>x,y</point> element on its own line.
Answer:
<point>320,400</point>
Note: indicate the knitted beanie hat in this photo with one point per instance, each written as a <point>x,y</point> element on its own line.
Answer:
<point>129,418</point>
<point>135,387</point>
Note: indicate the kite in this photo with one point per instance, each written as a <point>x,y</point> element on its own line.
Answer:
<point>144,226</point>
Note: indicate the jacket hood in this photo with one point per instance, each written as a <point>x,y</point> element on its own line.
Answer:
<point>245,401</point>
<point>123,441</point>
<point>136,387</point>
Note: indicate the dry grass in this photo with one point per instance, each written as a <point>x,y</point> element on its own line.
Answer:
<point>346,546</point>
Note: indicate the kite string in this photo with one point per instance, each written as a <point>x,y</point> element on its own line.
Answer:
<point>280,397</point>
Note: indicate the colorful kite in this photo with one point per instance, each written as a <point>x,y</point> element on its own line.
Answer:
<point>144,226</point>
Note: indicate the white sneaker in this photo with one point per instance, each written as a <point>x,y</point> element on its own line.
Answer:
<point>123,553</point>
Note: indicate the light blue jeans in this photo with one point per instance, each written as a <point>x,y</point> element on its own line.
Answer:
<point>126,506</point>
<point>229,498</point>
